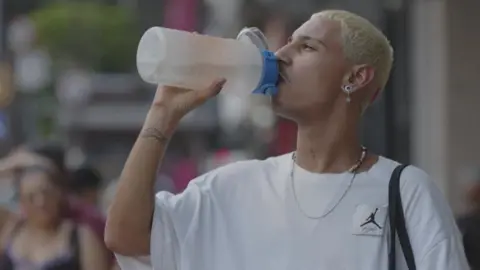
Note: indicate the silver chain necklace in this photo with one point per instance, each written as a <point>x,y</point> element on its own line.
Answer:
<point>353,170</point>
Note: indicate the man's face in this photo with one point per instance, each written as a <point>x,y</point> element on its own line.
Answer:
<point>312,67</point>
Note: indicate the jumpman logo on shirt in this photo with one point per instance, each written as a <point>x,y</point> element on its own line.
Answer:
<point>371,219</point>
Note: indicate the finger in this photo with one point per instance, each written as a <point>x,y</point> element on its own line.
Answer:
<point>213,89</point>
<point>209,92</point>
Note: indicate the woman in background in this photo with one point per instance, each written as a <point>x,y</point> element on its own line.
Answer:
<point>41,238</point>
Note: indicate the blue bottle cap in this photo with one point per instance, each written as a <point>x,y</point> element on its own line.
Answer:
<point>268,82</point>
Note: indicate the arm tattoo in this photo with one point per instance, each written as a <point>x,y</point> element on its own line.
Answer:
<point>155,134</point>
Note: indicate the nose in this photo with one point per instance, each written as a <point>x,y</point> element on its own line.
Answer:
<point>283,56</point>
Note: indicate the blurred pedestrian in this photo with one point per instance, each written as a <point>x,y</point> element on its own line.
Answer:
<point>41,238</point>
<point>75,209</point>
<point>52,156</point>
<point>86,185</point>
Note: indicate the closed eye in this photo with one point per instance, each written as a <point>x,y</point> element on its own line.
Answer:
<point>307,47</point>
<point>303,44</point>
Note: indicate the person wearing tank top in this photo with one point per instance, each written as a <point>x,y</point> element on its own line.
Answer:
<point>41,239</point>
<point>322,207</point>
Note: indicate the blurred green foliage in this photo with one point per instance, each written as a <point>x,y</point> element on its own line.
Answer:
<point>96,36</point>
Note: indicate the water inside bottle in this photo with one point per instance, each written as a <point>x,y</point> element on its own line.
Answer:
<point>241,80</point>
<point>180,59</point>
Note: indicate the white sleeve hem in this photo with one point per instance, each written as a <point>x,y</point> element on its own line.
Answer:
<point>134,263</point>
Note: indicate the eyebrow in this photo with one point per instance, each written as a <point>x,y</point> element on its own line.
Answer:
<point>308,38</point>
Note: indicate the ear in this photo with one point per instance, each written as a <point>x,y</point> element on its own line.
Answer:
<point>360,76</point>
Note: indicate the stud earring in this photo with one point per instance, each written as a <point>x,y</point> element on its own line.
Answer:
<point>348,89</point>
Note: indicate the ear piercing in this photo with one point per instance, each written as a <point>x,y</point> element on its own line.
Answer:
<point>348,89</point>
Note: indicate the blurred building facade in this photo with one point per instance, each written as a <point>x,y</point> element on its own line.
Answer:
<point>444,69</point>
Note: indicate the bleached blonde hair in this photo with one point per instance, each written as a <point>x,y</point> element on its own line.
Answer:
<point>363,43</point>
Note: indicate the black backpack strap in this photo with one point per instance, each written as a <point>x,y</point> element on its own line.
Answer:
<point>75,247</point>
<point>397,222</point>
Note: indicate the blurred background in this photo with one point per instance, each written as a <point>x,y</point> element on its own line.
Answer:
<point>68,81</point>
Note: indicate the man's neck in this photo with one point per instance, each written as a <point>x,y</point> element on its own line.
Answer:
<point>329,146</point>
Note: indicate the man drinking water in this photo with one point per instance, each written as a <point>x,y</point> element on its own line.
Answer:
<point>303,210</point>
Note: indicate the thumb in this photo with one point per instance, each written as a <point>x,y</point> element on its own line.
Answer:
<point>209,92</point>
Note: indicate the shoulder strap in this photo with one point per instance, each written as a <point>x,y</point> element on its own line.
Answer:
<point>397,222</point>
<point>75,246</point>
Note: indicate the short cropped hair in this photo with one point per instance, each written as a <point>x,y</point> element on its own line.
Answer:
<point>363,43</point>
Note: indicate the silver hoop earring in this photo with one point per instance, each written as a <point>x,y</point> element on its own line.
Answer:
<point>348,89</point>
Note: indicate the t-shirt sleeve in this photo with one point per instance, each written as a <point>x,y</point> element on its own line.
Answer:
<point>173,217</point>
<point>445,255</point>
<point>433,232</point>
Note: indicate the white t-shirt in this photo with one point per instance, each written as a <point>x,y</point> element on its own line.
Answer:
<point>244,216</point>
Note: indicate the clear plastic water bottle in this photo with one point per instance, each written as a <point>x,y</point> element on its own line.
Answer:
<point>183,59</point>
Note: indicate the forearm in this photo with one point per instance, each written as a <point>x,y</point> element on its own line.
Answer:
<point>130,215</point>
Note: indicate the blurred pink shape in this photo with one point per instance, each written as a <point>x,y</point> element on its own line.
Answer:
<point>181,14</point>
